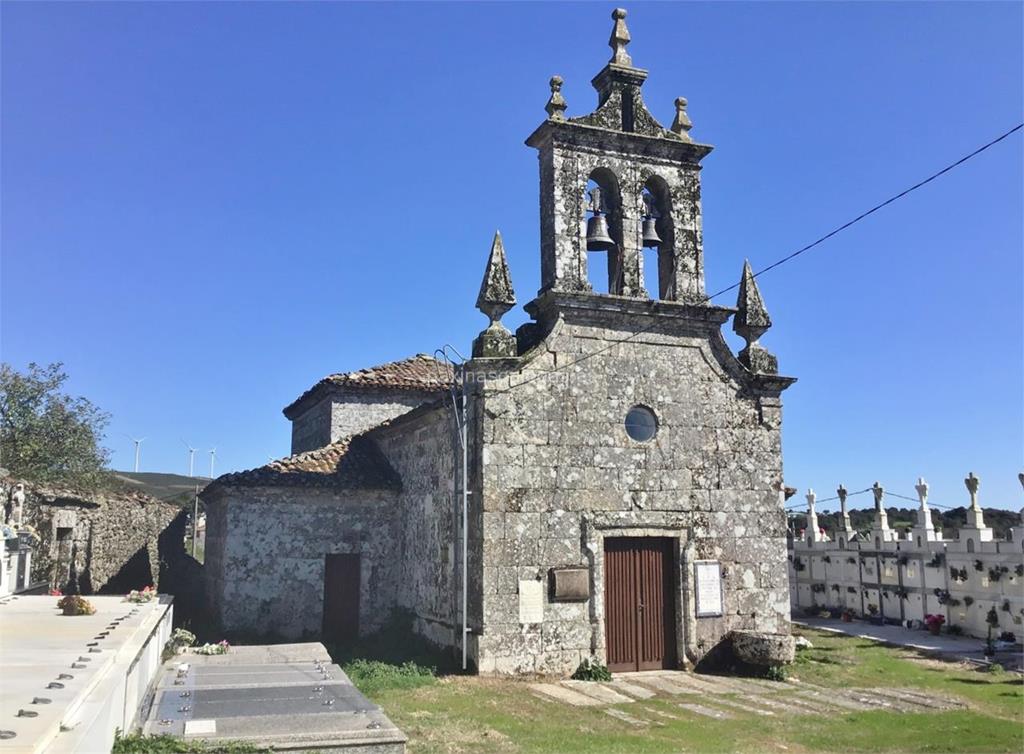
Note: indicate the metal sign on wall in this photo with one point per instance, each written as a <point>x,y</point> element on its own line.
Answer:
<point>708,578</point>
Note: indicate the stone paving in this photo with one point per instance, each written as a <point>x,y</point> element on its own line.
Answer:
<point>724,698</point>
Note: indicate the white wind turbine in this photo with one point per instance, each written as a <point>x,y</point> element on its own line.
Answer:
<point>138,443</point>
<point>213,457</point>
<point>191,458</point>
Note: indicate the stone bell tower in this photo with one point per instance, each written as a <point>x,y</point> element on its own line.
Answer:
<point>644,188</point>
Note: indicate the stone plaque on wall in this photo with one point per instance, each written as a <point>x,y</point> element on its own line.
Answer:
<point>531,602</point>
<point>708,581</point>
<point>570,584</point>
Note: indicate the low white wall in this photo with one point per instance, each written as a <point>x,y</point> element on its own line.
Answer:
<point>906,581</point>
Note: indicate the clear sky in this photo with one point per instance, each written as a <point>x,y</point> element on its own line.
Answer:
<point>208,206</point>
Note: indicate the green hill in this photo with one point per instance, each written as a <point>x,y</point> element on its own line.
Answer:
<point>163,486</point>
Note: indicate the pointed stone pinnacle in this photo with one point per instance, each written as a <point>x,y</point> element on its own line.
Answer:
<point>496,295</point>
<point>750,323</point>
<point>752,319</point>
<point>619,39</point>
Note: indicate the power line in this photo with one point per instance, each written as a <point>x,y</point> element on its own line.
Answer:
<point>781,261</point>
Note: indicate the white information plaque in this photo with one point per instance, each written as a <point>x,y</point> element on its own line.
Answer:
<point>531,602</point>
<point>708,575</point>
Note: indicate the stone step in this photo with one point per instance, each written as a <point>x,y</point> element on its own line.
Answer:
<point>700,709</point>
<point>630,689</point>
<point>626,717</point>
<point>599,691</point>
<point>744,705</point>
<point>558,693</point>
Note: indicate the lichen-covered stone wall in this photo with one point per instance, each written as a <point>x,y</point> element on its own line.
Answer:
<point>347,413</point>
<point>97,541</point>
<point>424,452</point>
<point>266,575</point>
<point>558,474</point>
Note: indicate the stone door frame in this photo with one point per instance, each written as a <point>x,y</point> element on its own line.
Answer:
<point>596,530</point>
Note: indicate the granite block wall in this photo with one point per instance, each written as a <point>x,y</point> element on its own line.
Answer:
<point>558,474</point>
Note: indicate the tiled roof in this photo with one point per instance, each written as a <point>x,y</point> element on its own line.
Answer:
<point>351,463</point>
<point>419,373</point>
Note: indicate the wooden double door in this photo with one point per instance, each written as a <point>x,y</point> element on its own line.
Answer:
<point>639,603</point>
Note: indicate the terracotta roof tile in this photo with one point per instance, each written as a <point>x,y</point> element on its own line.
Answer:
<point>418,373</point>
<point>350,463</point>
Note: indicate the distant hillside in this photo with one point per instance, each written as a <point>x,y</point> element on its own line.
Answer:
<point>903,518</point>
<point>163,486</point>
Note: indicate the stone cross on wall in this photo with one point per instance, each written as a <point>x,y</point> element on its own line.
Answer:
<point>881,524</point>
<point>975,516</point>
<point>813,530</point>
<point>971,482</point>
<point>842,494</point>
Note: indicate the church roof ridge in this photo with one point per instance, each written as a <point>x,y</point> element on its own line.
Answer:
<point>421,372</point>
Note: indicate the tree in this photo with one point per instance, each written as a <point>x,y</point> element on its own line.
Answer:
<point>47,435</point>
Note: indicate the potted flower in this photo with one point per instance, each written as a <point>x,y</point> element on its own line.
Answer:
<point>873,612</point>
<point>934,623</point>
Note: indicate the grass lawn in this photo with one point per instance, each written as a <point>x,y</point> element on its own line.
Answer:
<point>471,714</point>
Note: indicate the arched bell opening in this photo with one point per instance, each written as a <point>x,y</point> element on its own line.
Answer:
<point>658,238</point>
<point>603,202</point>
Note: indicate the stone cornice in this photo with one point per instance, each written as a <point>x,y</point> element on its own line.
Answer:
<point>579,135</point>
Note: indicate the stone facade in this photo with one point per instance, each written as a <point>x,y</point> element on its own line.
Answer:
<point>554,472</point>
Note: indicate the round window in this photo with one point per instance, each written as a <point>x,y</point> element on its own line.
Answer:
<point>641,424</point>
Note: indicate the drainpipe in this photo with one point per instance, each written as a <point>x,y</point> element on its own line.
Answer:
<point>465,516</point>
<point>461,411</point>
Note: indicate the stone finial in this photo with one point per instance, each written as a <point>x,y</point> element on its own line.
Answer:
<point>842,494</point>
<point>922,491</point>
<point>813,530</point>
<point>496,295</point>
<point>879,493</point>
<point>619,39</point>
<point>682,124</point>
<point>1020,478</point>
<point>971,483</point>
<point>750,323</point>
<point>495,298</point>
<point>556,102</point>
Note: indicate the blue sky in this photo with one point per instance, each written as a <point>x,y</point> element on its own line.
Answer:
<point>207,207</point>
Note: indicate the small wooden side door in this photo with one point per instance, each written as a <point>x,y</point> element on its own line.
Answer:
<point>341,598</point>
<point>639,603</point>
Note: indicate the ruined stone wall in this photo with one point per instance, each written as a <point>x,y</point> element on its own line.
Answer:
<point>424,452</point>
<point>559,474</point>
<point>267,576</point>
<point>348,413</point>
<point>96,541</point>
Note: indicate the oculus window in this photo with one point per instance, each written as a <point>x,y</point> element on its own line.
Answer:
<point>641,424</point>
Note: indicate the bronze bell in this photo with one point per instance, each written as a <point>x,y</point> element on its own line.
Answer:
<point>597,234</point>
<point>651,239</point>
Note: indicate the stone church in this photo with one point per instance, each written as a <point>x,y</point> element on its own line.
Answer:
<point>605,482</point>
